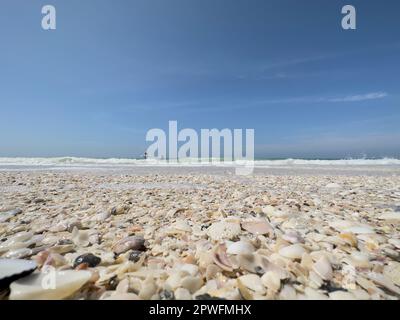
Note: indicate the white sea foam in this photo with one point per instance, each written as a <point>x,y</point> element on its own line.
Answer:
<point>116,162</point>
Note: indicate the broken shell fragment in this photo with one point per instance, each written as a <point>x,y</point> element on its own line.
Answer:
<point>258,227</point>
<point>54,286</point>
<point>294,251</point>
<point>11,270</point>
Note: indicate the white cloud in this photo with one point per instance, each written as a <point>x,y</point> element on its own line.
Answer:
<point>360,97</point>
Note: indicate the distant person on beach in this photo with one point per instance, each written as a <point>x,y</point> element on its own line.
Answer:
<point>145,155</point>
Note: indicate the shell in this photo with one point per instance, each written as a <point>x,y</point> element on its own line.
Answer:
<point>294,251</point>
<point>272,281</point>
<point>11,270</point>
<point>221,259</point>
<point>223,230</point>
<point>293,237</point>
<point>240,247</point>
<point>129,243</point>
<point>52,286</point>
<point>250,284</point>
<point>258,227</point>
<point>5,216</point>
<point>393,216</point>
<point>323,268</point>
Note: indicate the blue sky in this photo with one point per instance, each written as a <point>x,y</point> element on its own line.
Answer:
<point>115,69</point>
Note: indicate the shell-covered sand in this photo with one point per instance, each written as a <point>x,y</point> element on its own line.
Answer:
<point>116,235</point>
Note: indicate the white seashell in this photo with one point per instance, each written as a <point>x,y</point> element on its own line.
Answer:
<point>323,268</point>
<point>294,251</point>
<point>240,247</point>
<point>182,294</point>
<point>341,295</point>
<point>11,270</point>
<point>191,283</point>
<point>52,286</point>
<point>221,259</point>
<point>271,281</point>
<point>384,281</point>
<point>360,230</point>
<point>293,237</point>
<point>258,227</point>
<point>252,282</point>
<point>190,269</point>
<point>5,216</point>
<point>18,253</point>
<point>149,288</point>
<point>287,293</point>
<point>392,216</point>
<point>392,271</point>
<point>333,186</point>
<point>395,242</point>
<point>223,230</point>
<point>312,294</point>
<point>122,296</point>
<point>80,237</point>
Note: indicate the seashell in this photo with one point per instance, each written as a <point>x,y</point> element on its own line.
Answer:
<point>90,259</point>
<point>341,295</point>
<point>11,270</point>
<point>359,230</point>
<point>250,284</point>
<point>395,242</point>
<point>123,296</point>
<point>80,237</point>
<point>191,283</point>
<point>294,251</point>
<point>392,216</point>
<point>359,259</point>
<point>240,247</point>
<point>350,238</point>
<point>223,230</point>
<point>182,294</point>
<point>392,271</point>
<point>102,216</point>
<point>271,281</point>
<point>190,269</point>
<point>179,227</point>
<point>384,281</point>
<point>258,227</point>
<point>221,259</point>
<point>293,237</point>
<point>129,243</point>
<point>5,216</point>
<point>18,253</point>
<point>333,186</point>
<point>118,210</point>
<point>52,286</point>
<point>287,293</point>
<point>149,288</point>
<point>312,294</point>
<point>323,268</point>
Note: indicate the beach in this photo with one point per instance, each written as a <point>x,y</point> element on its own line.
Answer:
<point>288,231</point>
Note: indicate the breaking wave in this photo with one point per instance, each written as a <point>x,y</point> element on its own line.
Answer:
<point>92,162</point>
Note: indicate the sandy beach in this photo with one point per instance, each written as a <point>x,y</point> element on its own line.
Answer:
<point>203,233</point>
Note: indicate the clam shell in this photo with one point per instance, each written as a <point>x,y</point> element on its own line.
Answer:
<point>258,227</point>
<point>221,259</point>
<point>294,251</point>
<point>134,243</point>
<point>240,247</point>
<point>11,270</point>
<point>223,230</point>
<point>323,268</point>
<point>51,286</point>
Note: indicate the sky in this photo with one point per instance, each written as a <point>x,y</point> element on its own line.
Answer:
<point>112,70</point>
